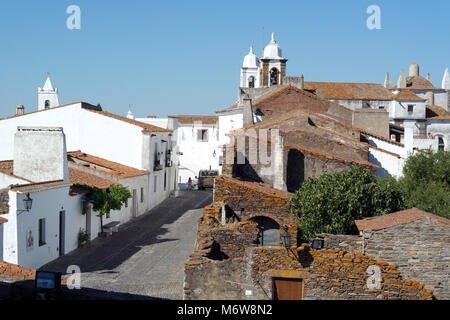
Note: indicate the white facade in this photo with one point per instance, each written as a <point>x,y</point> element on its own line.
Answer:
<point>21,235</point>
<point>440,128</point>
<point>47,96</point>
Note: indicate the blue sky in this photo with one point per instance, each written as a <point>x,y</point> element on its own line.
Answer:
<point>184,57</point>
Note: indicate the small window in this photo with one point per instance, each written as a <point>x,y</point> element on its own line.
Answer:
<point>251,82</point>
<point>142,195</point>
<point>41,232</point>
<point>154,185</point>
<point>126,203</point>
<point>202,135</point>
<point>441,144</point>
<point>47,104</point>
<point>410,107</point>
<point>108,215</point>
<point>381,107</point>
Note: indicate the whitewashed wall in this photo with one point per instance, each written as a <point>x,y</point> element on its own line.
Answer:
<point>6,180</point>
<point>390,165</point>
<point>440,128</point>
<point>46,204</point>
<point>197,155</point>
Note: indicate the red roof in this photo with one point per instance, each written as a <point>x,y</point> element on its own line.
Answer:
<point>398,218</point>
<point>350,90</point>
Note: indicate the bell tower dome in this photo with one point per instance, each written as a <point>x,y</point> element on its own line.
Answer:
<point>273,68</point>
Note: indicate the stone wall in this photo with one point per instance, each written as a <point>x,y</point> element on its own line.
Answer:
<point>420,249</point>
<point>256,199</point>
<point>351,243</point>
<point>4,201</point>
<point>326,274</point>
<point>373,120</point>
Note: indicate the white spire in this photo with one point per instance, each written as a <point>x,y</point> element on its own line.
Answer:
<point>251,49</point>
<point>446,80</point>
<point>129,114</point>
<point>273,38</point>
<point>401,83</point>
<point>387,81</point>
<point>48,85</point>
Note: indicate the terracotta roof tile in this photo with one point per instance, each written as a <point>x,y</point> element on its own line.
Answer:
<point>446,117</point>
<point>408,95</point>
<point>435,111</point>
<point>98,164</point>
<point>257,186</point>
<point>350,91</point>
<point>417,83</point>
<point>13,271</point>
<point>188,119</point>
<point>397,218</point>
<point>31,187</point>
<point>78,176</point>
<point>3,220</point>
<point>287,98</point>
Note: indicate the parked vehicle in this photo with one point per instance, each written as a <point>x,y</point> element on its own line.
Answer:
<point>206,179</point>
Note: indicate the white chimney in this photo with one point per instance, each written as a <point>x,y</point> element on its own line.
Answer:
<point>40,154</point>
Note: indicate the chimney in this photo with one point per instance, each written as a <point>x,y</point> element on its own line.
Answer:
<point>387,81</point>
<point>401,83</point>
<point>278,161</point>
<point>302,82</point>
<point>247,110</point>
<point>20,109</point>
<point>429,77</point>
<point>430,98</point>
<point>40,154</point>
<point>414,70</point>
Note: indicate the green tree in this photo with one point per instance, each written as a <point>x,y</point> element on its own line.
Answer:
<point>332,202</point>
<point>105,200</point>
<point>426,182</point>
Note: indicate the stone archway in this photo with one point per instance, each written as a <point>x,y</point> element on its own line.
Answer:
<point>269,231</point>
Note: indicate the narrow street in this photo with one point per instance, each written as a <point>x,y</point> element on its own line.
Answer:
<point>146,257</point>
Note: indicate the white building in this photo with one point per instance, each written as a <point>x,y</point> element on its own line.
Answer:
<point>42,170</point>
<point>197,141</point>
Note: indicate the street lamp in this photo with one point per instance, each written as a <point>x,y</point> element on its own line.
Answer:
<point>286,238</point>
<point>27,203</point>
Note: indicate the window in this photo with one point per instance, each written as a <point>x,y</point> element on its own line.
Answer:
<point>441,144</point>
<point>41,232</point>
<point>142,195</point>
<point>47,104</point>
<point>410,107</point>
<point>273,77</point>
<point>154,185</point>
<point>381,107</point>
<point>251,82</point>
<point>108,215</point>
<point>202,135</point>
<point>126,203</point>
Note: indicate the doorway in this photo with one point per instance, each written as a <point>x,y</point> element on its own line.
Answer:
<point>287,289</point>
<point>62,232</point>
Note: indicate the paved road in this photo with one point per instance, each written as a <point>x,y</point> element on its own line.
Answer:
<point>146,257</point>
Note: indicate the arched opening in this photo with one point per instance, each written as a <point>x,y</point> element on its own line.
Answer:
<point>269,231</point>
<point>441,144</point>
<point>273,76</point>
<point>251,82</point>
<point>47,104</point>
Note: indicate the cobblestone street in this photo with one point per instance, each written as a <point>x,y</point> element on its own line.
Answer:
<point>146,257</point>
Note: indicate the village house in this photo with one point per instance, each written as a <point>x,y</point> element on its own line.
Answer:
<point>44,173</point>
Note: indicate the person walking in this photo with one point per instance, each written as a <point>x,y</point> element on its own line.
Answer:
<point>190,184</point>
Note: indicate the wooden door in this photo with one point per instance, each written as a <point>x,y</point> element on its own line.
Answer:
<point>287,289</point>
